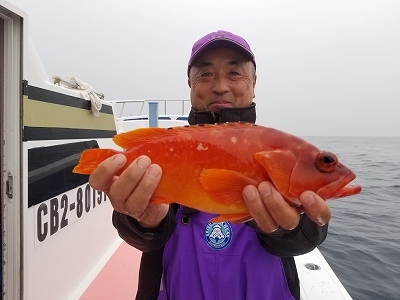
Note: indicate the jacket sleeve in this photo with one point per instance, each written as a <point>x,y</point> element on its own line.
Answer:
<point>302,239</point>
<point>141,238</point>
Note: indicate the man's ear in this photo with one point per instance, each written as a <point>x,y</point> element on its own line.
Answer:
<point>189,83</point>
<point>254,85</point>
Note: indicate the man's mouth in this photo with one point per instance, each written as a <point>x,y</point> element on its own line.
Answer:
<point>215,106</point>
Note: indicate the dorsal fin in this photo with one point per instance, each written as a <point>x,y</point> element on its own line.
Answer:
<point>139,136</point>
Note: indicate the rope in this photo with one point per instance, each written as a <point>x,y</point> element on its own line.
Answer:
<point>84,89</point>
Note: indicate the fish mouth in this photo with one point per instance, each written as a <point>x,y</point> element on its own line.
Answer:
<point>340,189</point>
<point>347,191</point>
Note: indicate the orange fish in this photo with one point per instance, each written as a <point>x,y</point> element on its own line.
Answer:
<point>206,167</point>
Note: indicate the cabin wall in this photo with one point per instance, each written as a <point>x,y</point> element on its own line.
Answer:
<point>68,234</point>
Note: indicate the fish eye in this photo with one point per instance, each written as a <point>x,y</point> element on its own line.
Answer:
<point>326,162</point>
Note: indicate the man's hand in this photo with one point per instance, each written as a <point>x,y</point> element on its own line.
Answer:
<point>270,211</point>
<point>131,192</point>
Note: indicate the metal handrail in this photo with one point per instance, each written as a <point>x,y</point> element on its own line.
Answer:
<point>165,109</point>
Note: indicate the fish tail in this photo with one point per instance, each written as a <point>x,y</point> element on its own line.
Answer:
<point>91,158</point>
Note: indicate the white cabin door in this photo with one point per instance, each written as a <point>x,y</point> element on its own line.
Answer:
<point>10,148</point>
<point>1,137</point>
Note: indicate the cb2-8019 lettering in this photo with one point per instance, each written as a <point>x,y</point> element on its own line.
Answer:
<point>55,214</point>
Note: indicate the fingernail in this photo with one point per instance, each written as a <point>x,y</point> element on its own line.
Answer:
<point>264,189</point>
<point>154,171</point>
<point>307,199</point>
<point>321,222</point>
<point>249,193</point>
<point>120,159</point>
<point>143,162</point>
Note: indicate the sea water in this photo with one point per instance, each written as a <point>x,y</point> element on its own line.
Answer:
<point>363,243</point>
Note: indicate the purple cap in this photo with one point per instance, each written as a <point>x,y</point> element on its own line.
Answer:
<point>220,39</point>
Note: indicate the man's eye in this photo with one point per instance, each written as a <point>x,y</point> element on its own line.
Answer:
<point>205,74</point>
<point>234,73</point>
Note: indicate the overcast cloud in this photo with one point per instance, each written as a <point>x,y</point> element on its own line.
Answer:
<point>324,67</point>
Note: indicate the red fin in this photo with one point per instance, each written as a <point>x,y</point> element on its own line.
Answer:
<point>91,158</point>
<point>225,186</point>
<point>233,218</point>
<point>139,136</point>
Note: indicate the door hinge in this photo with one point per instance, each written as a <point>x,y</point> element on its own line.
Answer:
<point>9,185</point>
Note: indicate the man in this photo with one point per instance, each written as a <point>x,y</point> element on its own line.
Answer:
<point>184,255</point>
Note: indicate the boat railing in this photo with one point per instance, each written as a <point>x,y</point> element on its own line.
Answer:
<point>129,109</point>
<point>131,114</point>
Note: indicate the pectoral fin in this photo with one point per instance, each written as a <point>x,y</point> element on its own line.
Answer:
<point>225,186</point>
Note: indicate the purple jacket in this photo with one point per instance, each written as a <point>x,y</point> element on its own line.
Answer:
<point>204,260</point>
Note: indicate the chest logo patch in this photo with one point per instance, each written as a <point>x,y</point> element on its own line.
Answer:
<point>218,235</point>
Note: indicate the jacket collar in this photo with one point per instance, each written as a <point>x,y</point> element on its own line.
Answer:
<point>244,114</point>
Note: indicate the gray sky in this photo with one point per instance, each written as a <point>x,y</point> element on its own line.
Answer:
<point>324,67</point>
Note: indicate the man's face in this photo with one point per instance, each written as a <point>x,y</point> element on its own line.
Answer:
<point>221,78</point>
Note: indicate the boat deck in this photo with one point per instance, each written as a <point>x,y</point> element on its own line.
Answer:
<point>118,278</point>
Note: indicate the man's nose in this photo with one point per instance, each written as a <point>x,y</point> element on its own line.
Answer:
<point>220,85</point>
